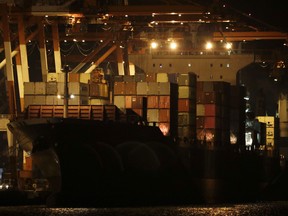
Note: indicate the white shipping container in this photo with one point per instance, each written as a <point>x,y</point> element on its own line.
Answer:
<point>185,92</point>
<point>52,100</point>
<point>283,109</point>
<point>153,88</point>
<point>40,99</point>
<point>74,88</point>
<point>142,88</point>
<point>29,88</point>
<point>34,100</point>
<point>78,88</point>
<point>153,115</point>
<point>79,100</point>
<point>200,109</point>
<point>40,88</point>
<point>52,77</point>
<point>98,101</point>
<point>119,101</point>
<point>162,77</point>
<point>51,88</point>
<point>164,88</point>
<point>283,129</point>
<point>3,123</point>
<point>60,77</point>
<point>85,77</point>
<point>268,120</point>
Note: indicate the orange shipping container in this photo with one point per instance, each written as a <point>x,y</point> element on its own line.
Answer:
<point>164,101</point>
<point>130,88</point>
<point>164,115</point>
<point>152,101</point>
<point>27,165</point>
<point>119,88</point>
<point>185,105</point>
<point>74,77</point>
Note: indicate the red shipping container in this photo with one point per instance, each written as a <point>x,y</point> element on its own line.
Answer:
<point>212,110</point>
<point>212,122</point>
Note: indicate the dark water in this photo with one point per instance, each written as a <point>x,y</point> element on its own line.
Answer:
<point>261,209</point>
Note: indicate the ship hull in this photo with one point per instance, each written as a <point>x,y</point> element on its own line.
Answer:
<point>91,163</point>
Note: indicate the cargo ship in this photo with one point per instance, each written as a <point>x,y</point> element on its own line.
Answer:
<point>120,163</point>
<point>164,139</point>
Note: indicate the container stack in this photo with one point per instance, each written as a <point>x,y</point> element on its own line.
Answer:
<point>128,101</point>
<point>272,133</point>
<point>84,89</point>
<point>154,101</point>
<point>213,114</point>
<point>187,109</point>
<point>237,116</point>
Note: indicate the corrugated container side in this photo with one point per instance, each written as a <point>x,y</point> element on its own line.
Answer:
<point>51,88</point>
<point>29,87</point>
<point>120,101</point>
<point>185,105</point>
<point>142,88</point>
<point>164,115</point>
<point>119,88</point>
<point>40,88</point>
<point>130,88</point>
<point>200,109</point>
<point>73,77</point>
<point>153,88</point>
<point>84,77</point>
<point>150,77</point>
<point>162,77</point>
<point>153,101</point>
<point>153,115</point>
<point>164,101</point>
<point>94,90</point>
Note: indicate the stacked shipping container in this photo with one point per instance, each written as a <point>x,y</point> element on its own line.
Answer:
<point>187,109</point>
<point>83,87</point>
<point>155,101</point>
<point>213,113</point>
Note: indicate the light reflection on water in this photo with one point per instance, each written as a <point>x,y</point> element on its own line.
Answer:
<point>263,209</point>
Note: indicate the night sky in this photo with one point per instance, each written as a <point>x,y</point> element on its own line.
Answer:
<point>271,12</point>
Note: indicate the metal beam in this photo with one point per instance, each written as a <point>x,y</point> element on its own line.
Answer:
<point>249,36</point>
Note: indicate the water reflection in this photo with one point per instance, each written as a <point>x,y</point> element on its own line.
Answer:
<point>263,209</point>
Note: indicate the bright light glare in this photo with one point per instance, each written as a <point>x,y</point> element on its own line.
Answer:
<point>72,96</point>
<point>173,45</point>
<point>228,46</point>
<point>209,45</point>
<point>154,45</point>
